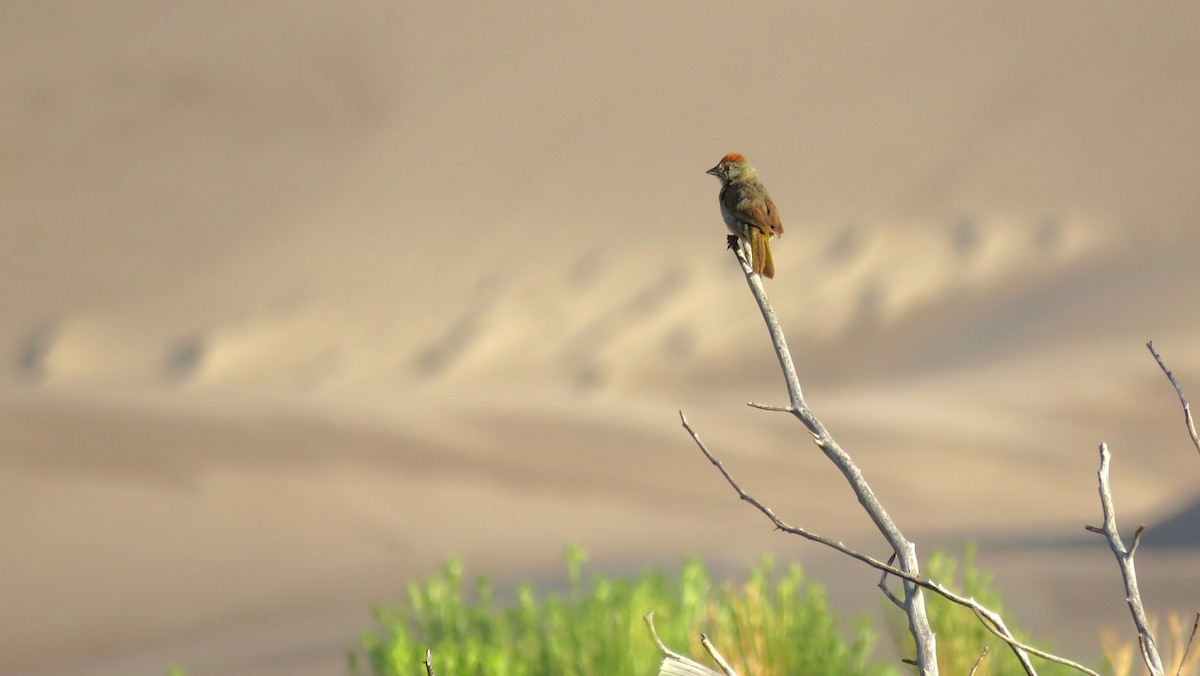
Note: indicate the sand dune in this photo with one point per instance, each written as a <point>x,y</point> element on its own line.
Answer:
<point>302,299</point>
<point>601,323</point>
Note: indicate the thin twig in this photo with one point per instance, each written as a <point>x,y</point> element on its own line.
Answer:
<point>1137,539</point>
<point>979,661</point>
<point>990,620</point>
<point>1183,400</point>
<point>649,619</point>
<point>712,652</point>
<point>673,663</point>
<point>768,407</point>
<point>429,662</point>
<point>1188,647</point>
<point>1133,596</point>
<point>883,584</point>
<point>791,380</point>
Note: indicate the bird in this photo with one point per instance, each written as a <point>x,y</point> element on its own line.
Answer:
<point>748,210</point>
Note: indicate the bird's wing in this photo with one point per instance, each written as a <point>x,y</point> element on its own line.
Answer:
<point>763,216</point>
<point>772,220</point>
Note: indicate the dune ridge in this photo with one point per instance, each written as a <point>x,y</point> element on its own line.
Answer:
<point>602,325</point>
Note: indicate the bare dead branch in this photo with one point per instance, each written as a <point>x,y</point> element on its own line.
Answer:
<point>990,619</point>
<point>906,551</point>
<point>712,652</point>
<point>1133,596</point>
<point>884,588</point>
<point>1137,539</point>
<point>979,661</point>
<point>673,663</point>
<point>429,662</point>
<point>1187,648</point>
<point>1183,400</point>
<point>768,407</point>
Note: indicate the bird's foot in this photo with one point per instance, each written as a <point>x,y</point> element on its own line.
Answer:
<point>732,242</point>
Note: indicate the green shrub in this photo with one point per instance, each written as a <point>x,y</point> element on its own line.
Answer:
<point>765,625</point>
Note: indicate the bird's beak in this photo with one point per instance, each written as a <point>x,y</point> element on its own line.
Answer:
<point>713,171</point>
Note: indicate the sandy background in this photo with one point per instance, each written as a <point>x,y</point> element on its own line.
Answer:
<point>301,297</point>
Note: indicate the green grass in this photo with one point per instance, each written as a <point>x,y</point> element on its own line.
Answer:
<point>766,624</point>
<point>770,623</point>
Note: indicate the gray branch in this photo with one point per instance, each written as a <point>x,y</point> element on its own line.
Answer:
<point>1183,400</point>
<point>979,661</point>
<point>1133,597</point>
<point>1188,647</point>
<point>914,602</point>
<point>989,618</point>
<point>883,586</point>
<point>674,664</point>
<point>716,656</point>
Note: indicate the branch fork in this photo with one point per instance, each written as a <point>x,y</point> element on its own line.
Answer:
<point>902,563</point>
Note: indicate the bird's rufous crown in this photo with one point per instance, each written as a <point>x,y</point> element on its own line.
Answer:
<point>734,157</point>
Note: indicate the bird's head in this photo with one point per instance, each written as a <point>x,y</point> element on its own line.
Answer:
<point>732,168</point>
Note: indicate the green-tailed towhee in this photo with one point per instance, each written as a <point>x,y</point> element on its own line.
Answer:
<point>748,210</point>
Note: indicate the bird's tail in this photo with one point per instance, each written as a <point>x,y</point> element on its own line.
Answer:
<point>760,253</point>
